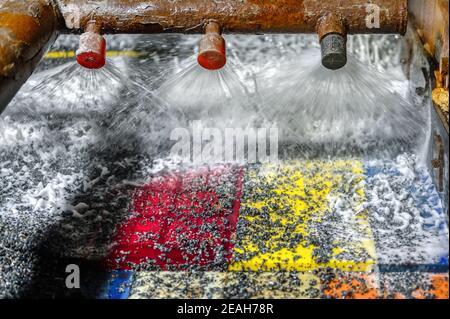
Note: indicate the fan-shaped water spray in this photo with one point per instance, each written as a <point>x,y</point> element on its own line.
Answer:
<point>356,110</point>
<point>74,89</point>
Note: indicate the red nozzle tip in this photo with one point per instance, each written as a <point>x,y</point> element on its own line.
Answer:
<point>91,60</point>
<point>92,51</point>
<point>212,52</point>
<point>212,60</point>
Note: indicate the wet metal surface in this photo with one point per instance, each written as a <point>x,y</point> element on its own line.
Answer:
<point>334,51</point>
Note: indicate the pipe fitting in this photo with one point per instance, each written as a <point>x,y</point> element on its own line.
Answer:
<point>91,53</point>
<point>212,49</point>
<point>334,51</point>
<point>333,41</point>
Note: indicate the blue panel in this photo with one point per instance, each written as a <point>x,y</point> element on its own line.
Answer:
<point>423,268</point>
<point>118,286</point>
<point>426,199</point>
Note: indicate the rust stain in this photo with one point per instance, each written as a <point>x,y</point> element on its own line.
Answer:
<point>330,23</point>
<point>25,31</point>
<point>23,36</point>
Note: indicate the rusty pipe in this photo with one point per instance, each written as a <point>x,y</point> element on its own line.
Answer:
<point>332,20</point>
<point>243,16</point>
<point>27,29</point>
<point>333,41</point>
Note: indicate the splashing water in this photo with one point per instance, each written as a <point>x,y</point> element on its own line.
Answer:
<point>73,100</point>
<point>141,122</point>
<point>355,110</point>
<point>71,88</point>
<point>218,98</point>
<point>188,93</point>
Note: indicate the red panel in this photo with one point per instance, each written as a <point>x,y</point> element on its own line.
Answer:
<point>181,220</point>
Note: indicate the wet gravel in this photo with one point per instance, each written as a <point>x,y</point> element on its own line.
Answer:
<point>66,183</point>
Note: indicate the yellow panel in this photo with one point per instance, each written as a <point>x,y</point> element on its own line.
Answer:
<point>60,55</point>
<point>177,285</point>
<point>287,216</point>
<point>222,285</point>
<point>109,54</point>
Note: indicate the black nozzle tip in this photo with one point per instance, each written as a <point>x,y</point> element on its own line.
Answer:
<point>334,51</point>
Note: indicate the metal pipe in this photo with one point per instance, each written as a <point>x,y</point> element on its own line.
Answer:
<point>333,41</point>
<point>243,16</point>
<point>331,19</point>
<point>27,29</point>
